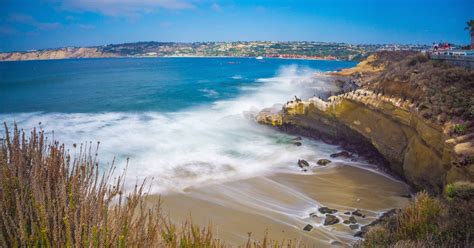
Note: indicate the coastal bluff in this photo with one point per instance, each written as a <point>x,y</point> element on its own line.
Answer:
<point>60,53</point>
<point>427,154</point>
<point>414,149</point>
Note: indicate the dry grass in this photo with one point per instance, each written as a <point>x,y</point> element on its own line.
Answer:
<point>440,90</point>
<point>426,222</point>
<point>418,220</point>
<point>50,199</point>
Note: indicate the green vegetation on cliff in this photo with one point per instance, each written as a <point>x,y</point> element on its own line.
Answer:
<point>429,221</point>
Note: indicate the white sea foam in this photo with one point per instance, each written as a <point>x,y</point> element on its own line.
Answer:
<point>236,77</point>
<point>195,146</point>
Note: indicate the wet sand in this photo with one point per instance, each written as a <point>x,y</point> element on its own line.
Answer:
<point>282,203</point>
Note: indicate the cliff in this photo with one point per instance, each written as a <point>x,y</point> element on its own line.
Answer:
<point>60,53</point>
<point>427,151</point>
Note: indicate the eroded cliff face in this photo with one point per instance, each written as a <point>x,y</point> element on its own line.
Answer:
<point>62,53</point>
<point>415,149</point>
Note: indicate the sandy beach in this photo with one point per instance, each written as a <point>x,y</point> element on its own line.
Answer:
<point>282,204</point>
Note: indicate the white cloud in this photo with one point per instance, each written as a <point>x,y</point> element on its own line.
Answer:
<point>125,7</point>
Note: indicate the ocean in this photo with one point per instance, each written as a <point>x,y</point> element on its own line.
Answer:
<point>182,121</point>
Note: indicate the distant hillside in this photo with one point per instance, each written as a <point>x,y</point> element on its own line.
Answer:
<point>305,50</point>
<point>60,53</point>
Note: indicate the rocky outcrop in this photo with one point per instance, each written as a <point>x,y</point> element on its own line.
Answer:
<point>413,148</point>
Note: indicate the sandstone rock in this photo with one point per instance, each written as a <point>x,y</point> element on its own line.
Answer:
<point>330,220</point>
<point>412,147</point>
<point>323,162</point>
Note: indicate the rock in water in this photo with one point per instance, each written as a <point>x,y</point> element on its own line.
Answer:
<point>297,138</point>
<point>330,220</point>
<point>297,143</point>
<point>354,227</point>
<point>308,228</point>
<point>341,154</point>
<point>324,162</point>
<point>351,220</point>
<point>358,213</point>
<point>303,163</point>
<point>326,210</point>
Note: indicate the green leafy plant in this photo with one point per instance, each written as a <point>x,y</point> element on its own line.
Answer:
<point>460,129</point>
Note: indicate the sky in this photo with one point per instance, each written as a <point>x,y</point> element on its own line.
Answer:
<point>30,24</point>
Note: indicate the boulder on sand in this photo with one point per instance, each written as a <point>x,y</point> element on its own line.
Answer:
<point>330,220</point>
<point>358,213</point>
<point>326,210</point>
<point>308,228</point>
<point>354,227</point>
<point>351,220</point>
<point>324,162</point>
<point>303,163</point>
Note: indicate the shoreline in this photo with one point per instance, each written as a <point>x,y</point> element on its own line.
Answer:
<point>157,57</point>
<point>284,203</point>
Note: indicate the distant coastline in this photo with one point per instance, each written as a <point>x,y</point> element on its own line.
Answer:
<point>155,57</point>
<point>266,49</point>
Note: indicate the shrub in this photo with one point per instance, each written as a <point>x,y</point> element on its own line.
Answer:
<point>460,129</point>
<point>49,199</point>
<point>429,222</point>
<point>418,220</point>
<point>378,236</point>
<point>461,190</point>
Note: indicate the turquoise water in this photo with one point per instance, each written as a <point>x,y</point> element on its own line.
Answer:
<point>183,121</point>
<point>112,85</point>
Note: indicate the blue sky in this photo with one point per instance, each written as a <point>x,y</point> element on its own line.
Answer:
<point>27,24</point>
